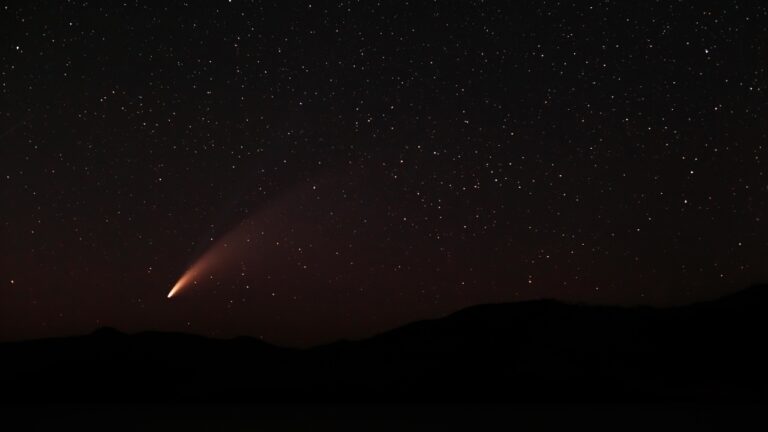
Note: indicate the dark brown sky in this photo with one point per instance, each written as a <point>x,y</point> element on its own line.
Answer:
<point>370,164</point>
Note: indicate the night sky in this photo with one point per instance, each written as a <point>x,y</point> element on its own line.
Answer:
<point>332,170</point>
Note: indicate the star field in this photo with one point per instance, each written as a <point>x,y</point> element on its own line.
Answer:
<point>365,164</point>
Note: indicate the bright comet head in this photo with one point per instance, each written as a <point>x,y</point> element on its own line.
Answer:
<point>179,285</point>
<point>174,289</point>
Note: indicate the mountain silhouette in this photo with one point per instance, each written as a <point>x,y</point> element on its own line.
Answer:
<point>536,351</point>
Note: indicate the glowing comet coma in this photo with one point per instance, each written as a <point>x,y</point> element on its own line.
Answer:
<point>196,271</point>
<point>182,281</point>
<point>254,242</point>
<point>203,265</point>
<point>228,252</point>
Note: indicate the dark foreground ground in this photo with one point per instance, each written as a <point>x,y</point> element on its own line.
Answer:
<point>531,352</point>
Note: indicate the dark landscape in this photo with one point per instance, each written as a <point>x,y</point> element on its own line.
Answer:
<point>535,351</point>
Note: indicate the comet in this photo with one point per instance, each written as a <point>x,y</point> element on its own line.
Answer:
<point>226,254</point>
<point>175,288</point>
<point>245,243</point>
<point>189,277</point>
<point>183,281</point>
<point>215,258</point>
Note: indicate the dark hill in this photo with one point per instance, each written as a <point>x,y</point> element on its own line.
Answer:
<point>531,351</point>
